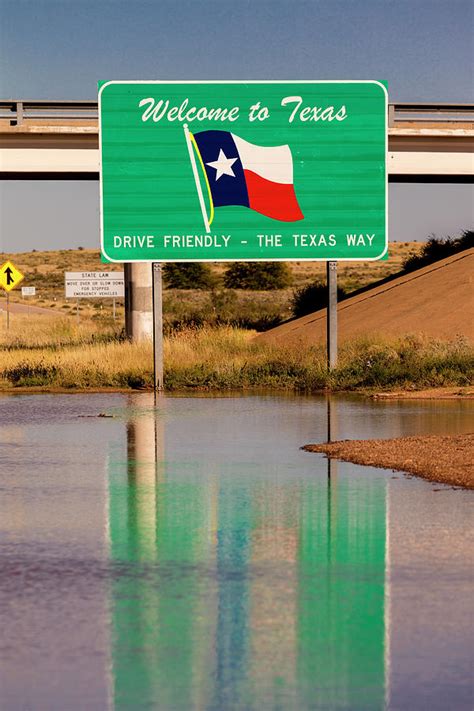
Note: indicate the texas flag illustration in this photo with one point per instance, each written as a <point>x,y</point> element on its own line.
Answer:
<point>241,173</point>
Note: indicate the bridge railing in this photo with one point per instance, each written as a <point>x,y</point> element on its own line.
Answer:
<point>19,110</point>
<point>430,112</point>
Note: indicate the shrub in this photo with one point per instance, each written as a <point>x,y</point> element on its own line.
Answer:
<point>221,307</point>
<point>188,275</point>
<point>28,374</point>
<point>223,303</point>
<point>312,298</point>
<point>435,249</point>
<point>258,276</point>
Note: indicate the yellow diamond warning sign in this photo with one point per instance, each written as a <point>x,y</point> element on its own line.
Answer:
<point>10,276</point>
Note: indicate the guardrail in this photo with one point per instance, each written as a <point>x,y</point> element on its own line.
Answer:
<point>19,110</point>
<point>439,112</point>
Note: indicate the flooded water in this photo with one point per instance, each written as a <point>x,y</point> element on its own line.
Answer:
<point>191,556</point>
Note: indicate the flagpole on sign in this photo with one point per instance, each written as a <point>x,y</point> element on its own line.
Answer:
<point>192,158</point>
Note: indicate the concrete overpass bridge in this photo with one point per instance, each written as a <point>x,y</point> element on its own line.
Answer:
<point>59,140</point>
<point>427,142</point>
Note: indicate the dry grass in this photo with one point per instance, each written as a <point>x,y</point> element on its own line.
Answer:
<point>48,350</point>
<point>50,354</point>
<point>51,332</point>
<point>85,366</point>
<point>214,346</point>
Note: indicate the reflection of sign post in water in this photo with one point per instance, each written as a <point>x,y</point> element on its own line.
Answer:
<point>251,171</point>
<point>150,540</point>
<point>10,277</point>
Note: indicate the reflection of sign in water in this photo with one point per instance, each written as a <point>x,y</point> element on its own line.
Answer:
<point>341,596</point>
<point>90,285</point>
<point>307,158</point>
<point>10,276</point>
<point>235,590</point>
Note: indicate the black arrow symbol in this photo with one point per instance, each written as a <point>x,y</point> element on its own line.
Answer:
<point>9,274</point>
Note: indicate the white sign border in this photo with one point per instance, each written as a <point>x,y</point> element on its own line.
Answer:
<point>243,81</point>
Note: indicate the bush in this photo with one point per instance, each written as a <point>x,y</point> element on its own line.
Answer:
<point>312,298</point>
<point>411,362</point>
<point>258,276</point>
<point>28,374</point>
<point>221,307</point>
<point>188,275</point>
<point>435,249</point>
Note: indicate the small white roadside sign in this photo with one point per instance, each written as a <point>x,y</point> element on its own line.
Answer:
<point>28,290</point>
<point>94,285</point>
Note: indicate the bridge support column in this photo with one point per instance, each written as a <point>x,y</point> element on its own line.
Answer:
<point>138,301</point>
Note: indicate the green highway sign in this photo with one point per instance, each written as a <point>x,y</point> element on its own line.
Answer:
<point>224,171</point>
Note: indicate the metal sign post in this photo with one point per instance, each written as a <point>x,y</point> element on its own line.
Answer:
<point>157,327</point>
<point>331,272</point>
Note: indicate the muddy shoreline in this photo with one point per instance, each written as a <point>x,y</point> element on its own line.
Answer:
<point>446,459</point>
<point>446,393</point>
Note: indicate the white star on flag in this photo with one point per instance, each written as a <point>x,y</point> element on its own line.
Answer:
<point>223,165</point>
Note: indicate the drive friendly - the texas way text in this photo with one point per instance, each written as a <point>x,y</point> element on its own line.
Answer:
<point>220,240</point>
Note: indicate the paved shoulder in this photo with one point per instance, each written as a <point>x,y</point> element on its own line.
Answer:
<point>17,308</point>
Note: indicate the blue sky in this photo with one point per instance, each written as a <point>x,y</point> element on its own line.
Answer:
<point>54,49</point>
<point>59,49</point>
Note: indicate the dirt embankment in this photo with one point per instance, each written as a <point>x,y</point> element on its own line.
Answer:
<point>437,300</point>
<point>446,459</point>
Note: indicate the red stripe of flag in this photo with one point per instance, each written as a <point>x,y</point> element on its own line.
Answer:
<point>276,200</point>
